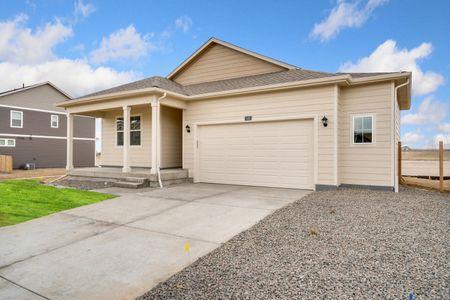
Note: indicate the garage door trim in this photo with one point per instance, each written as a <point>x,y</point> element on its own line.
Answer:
<point>314,118</point>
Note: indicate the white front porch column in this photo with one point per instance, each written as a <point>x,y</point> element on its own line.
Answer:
<point>69,153</point>
<point>126,139</point>
<point>156,136</point>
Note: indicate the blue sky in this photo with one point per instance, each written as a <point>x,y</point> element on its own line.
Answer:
<point>84,46</point>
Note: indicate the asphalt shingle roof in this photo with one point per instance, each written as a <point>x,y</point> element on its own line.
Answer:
<point>225,85</point>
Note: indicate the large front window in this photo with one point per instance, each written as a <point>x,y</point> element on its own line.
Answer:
<point>135,131</point>
<point>362,129</point>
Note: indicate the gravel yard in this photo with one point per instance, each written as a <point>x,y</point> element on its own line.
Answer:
<point>343,244</point>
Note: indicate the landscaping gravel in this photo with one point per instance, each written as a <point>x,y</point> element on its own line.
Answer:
<point>84,184</point>
<point>343,244</point>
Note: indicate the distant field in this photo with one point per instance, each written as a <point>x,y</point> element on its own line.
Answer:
<point>424,155</point>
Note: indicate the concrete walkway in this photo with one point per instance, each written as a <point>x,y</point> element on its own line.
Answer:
<point>121,248</point>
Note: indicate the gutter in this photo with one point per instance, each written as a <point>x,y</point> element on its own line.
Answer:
<point>158,149</point>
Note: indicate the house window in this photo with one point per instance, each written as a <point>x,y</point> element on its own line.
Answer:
<point>16,119</point>
<point>135,131</point>
<point>54,121</point>
<point>363,129</point>
<point>7,142</point>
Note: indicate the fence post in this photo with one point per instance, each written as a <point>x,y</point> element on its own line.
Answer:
<point>399,162</point>
<point>441,166</point>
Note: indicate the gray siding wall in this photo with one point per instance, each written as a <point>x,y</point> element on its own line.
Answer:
<point>49,153</point>
<point>38,123</point>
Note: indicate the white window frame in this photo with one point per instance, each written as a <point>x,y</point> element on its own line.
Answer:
<point>141,130</point>
<point>352,135</point>
<point>57,121</point>
<point>11,118</point>
<point>6,142</point>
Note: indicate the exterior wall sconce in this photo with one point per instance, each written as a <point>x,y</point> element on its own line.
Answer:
<point>325,121</point>
<point>188,128</point>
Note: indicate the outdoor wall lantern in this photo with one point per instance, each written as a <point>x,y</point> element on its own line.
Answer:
<point>188,129</point>
<point>325,121</point>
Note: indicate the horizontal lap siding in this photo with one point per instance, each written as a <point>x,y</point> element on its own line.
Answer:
<point>311,101</point>
<point>140,156</point>
<point>365,164</point>
<point>219,62</point>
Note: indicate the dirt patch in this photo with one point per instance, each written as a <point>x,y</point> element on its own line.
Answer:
<point>38,173</point>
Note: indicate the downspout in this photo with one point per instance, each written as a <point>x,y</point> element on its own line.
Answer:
<point>158,167</point>
<point>395,103</point>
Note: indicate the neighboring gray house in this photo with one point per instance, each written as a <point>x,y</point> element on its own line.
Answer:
<point>33,130</point>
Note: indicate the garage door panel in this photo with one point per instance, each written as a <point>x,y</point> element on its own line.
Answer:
<point>278,154</point>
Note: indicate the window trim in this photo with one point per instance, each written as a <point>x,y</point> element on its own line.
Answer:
<point>51,121</point>
<point>6,142</point>
<point>352,128</point>
<point>141,130</point>
<point>11,118</point>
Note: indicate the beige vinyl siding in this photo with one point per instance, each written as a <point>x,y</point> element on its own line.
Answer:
<point>366,164</point>
<point>397,134</point>
<point>171,137</point>
<point>140,156</point>
<point>292,103</point>
<point>219,62</point>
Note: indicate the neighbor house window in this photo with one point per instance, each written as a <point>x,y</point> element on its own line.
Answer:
<point>135,131</point>
<point>7,142</point>
<point>16,119</point>
<point>54,122</point>
<point>363,129</point>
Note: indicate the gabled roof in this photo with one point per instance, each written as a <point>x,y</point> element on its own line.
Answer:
<point>18,90</point>
<point>212,41</point>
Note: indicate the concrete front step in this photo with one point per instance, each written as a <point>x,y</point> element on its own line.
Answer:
<point>130,185</point>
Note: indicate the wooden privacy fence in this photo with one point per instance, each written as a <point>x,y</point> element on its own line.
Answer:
<point>433,169</point>
<point>6,164</point>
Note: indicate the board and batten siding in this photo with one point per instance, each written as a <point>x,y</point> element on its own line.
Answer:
<point>219,63</point>
<point>140,156</point>
<point>366,164</point>
<point>280,104</point>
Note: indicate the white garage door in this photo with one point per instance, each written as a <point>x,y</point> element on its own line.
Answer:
<point>275,154</point>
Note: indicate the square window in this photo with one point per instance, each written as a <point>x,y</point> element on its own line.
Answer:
<point>2,142</point>
<point>362,129</point>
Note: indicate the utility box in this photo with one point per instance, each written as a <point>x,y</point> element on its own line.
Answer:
<point>6,164</point>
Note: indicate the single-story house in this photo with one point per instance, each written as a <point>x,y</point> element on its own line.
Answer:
<point>232,116</point>
<point>33,131</point>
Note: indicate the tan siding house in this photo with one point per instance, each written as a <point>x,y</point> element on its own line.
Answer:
<point>229,115</point>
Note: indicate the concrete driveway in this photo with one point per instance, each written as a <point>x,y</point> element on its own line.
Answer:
<point>121,248</point>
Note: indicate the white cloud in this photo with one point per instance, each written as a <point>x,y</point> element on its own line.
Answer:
<point>126,43</point>
<point>183,23</point>
<point>344,15</point>
<point>413,137</point>
<point>20,44</point>
<point>83,10</point>
<point>26,56</point>
<point>76,77</point>
<point>429,111</point>
<point>388,58</point>
<point>445,127</point>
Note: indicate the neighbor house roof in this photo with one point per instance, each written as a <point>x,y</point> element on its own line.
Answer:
<point>24,88</point>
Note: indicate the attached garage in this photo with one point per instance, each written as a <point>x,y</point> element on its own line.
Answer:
<point>274,154</point>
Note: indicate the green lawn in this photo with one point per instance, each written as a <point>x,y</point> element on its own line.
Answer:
<point>22,200</point>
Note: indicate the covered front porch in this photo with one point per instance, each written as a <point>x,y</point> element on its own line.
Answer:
<point>141,137</point>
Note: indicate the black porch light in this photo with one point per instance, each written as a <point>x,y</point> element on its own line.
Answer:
<point>325,121</point>
<point>188,128</point>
